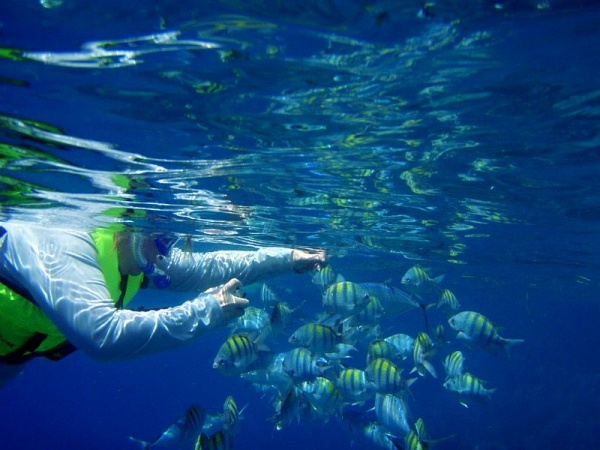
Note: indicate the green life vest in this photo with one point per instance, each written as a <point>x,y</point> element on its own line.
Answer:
<point>26,331</point>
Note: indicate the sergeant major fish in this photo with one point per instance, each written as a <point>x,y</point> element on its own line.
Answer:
<point>254,320</point>
<point>324,396</point>
<point>387,377</point>
<point>236,354</point>
<point>403,343</point>
<point>345,298</point>
<point>423,352</point>
<point>453,364</point>
<point>371,431</point>
<point>325,277</point>
<point>301,364</point>
<point>393,413</point>
<point>449,300</point>
<point>468,388</point>
<point>417,281</point>
<point>221,440</point>
<point>354,386</point>
<point>477,329</point>
<point>316,337</point>
<point>184,431</point>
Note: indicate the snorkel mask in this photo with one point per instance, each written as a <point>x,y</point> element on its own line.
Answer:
<point>163,243</point>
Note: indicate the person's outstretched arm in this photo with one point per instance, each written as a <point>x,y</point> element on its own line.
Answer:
<point>60,270</point>
<point>199,271</point>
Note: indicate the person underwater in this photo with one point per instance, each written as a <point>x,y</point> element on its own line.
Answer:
<point>64,289</point>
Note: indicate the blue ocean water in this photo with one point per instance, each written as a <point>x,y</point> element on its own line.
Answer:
<point>461,136</point>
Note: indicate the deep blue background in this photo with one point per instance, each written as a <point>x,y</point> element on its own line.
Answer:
<point>527,95</point>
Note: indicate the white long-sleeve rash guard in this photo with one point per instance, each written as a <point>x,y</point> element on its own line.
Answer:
<point>60,269</point>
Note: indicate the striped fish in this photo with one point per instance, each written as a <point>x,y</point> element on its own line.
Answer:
<point>386,376</point>
<point>236,354</point>
<point>231,415</point>
<point>475,328</point>
<point>254,320</point>
<point>448,300</point>
<point>416,280</point>
<point>392,412</point>
<point>380,348</point>
<point>183,431</point>
<point>268,296</point>
<point>282,315</point>
<point>372,432</point>
<point>354,386</point>
<point>345,298</point>
<point>324,396</point>
<point>403,343</point>
<point>423,352</point>
<point>326,277</point>
<point>468,388</point>
<point>266,379</point>
<point>316,337</point>
<point>221,440</point>
<point>417,438</point>
<point>453,364</point>
<point>301,364</point>
<point>292,406</point>
<point>370,314</point>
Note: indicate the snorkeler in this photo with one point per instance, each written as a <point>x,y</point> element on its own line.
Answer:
<point>62,290</point>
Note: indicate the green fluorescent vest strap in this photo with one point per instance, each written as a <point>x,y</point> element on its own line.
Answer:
<point>109,263</point>
<point>25,331</point>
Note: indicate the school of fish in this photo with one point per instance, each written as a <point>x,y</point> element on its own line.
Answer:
<point>341,365</point>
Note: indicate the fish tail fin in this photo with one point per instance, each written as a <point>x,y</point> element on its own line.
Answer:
<point>406,384</point>
<point>439,278</point>
<point>508,343</point>
<point>429,368</point>
<point>145,445</point>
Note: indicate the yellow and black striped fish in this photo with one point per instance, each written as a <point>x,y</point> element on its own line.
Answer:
<point>387,376</point>
<point>477,329</point>
<point>345,298</point>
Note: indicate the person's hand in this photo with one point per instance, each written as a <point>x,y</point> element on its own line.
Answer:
<point>303,261</point>
<point>230,297</point>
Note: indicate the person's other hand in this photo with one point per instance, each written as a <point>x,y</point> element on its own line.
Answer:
<point>303,261</point>
<point>230,297</point>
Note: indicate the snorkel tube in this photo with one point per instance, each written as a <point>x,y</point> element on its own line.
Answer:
<point>160,279</point>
